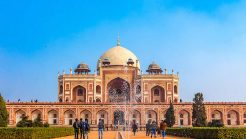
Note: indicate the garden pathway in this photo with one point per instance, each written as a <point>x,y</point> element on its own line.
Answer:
<point>112,134</point>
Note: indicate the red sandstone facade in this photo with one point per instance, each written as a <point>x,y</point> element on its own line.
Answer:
<point>120,93</point>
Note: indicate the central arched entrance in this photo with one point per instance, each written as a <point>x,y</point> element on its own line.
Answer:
<point>119,90</point>
<point>158,94</point>
<point>119,117</point>
<point>79,94</point>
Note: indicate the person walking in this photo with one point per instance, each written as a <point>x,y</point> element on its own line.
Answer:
<point>86,129</point>
<point>134,128</point>
<point>163,133</point>
<point>100,129</point>
<point>163,129</point>
<point>148,124</point>
<point>81,127</point>
<point>153,129</point>
<point>76,128</point>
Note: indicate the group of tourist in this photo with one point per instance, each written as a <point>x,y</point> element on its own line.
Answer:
<point>151,128</point>
<point>81,126</point>
<point>84,127</point>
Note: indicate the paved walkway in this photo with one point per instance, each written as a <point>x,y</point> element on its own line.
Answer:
<point>112,134</point>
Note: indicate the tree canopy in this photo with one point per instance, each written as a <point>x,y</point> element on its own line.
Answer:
<point>199,118</point>
<point>170,118</point>
<point>3,113</point>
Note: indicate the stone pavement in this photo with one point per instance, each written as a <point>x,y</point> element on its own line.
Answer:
<point>112,135</point>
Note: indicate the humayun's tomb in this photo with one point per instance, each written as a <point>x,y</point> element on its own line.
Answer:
<point>120,92</point>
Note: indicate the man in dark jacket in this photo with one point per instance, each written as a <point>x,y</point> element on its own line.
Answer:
<point>76,128</point>
<point>87,128</point>
<point>148,128</point>
<point>100,129</point>
<point>82,128</point>
<point>134,128</point>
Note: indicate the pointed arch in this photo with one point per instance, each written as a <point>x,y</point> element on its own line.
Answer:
<point>79,94</point>
<point>175,88</point>
<point>184,118</point>
<point>103,115</point>
<point>98,89</point>
<point>232,118</point>
<point>53,117</point>
<point>86,114</point>
<point>118,90</point>
<point>35,113</point>
<point>69,117</point>
<point>19,114</point>
<point>151,115</point>
<point>216,115</point>
<point>157,94</point>
<point>138,95</point>
<point>61,89</point>
<point>135,116</point>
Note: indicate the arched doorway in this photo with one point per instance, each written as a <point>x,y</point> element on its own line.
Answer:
<point>119,117</point>
<point>216,115</point>
<point>151,115</point>
<point>35,114</point>
<point>98,89</point>
<point>79,94</point>
<point>138,95</point>
<point>86,115</point>
<point>19,115</point>
<point>184,118</point>
<point>69,117</point>
<point>61,89</point>
<point>135,117</point>
<point>157,94</point>
<point>103,115</point>
<point>118,90</point>
<point>232,118</point>
<point>53,117</point>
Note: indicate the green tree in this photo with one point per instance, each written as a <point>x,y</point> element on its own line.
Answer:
<point>170,118</point>
<point>199,118</point>
<point>24,122</point>
<point>38,122</point>
<point>3,113</point>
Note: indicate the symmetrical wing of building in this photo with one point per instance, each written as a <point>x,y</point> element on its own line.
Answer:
<point>120,93</point>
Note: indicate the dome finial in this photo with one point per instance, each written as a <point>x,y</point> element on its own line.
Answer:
<point>118,40</point>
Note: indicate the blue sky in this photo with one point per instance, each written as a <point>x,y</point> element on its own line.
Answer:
<point>204,40</point>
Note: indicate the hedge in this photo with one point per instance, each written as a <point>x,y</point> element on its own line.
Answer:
<point>209,133</point>
<point>35,133</point>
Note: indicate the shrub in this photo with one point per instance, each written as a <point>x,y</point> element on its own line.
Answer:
<point>24,122</point>
<point>216,123</point>
<point>29,123</point>
<point>35,133</point>
<point>46,125</point>
<point>209,133</point>
<point>38,122</point>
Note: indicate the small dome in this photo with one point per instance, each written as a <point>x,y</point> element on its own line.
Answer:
<point>154,66</point>
<point>130,61</point>
<point>82,66</point>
